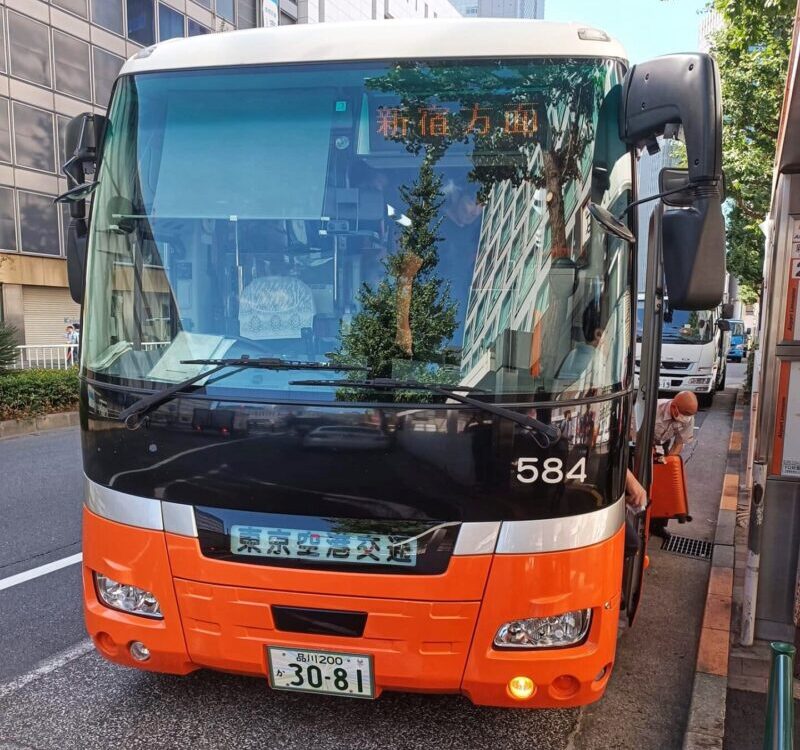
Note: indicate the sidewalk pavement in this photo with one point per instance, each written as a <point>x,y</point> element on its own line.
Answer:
<point>706,726</point>
<point>728,698</point>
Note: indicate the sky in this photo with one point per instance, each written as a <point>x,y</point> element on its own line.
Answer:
<point>646,28</point>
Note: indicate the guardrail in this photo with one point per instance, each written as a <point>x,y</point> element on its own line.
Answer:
<point>46,356</point>
<point>779,730</point>
<point>60,356</point>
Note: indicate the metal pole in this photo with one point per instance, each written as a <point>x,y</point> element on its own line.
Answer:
<point>749,596</point>
<point>650,358</point>
<point>779,729</point>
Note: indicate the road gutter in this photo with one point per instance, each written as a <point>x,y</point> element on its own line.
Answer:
<point>706,726</point>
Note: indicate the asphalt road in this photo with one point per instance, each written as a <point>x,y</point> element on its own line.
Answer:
<point>56,692</point>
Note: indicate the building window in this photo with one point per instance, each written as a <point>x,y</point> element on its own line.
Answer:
<point>30,49</point>
<point>108,14</point>
<point>225,10</point>
<point>246,14</point>
<point>142,21</point>
<point>204,3</point>
<point>197,29</point>
<point>61,127</point>
<point>106,67</point>
<point>78,7</point>
<point>5,132</point>
<point>33,138</point>
<point>2,44</point>
<point>170,23</point>
<point>38,223</point>
<point>72,66</point>
<point>8,227</point>
<point>65,219</point>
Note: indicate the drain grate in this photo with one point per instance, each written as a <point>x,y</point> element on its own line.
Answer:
<point>683,545</point>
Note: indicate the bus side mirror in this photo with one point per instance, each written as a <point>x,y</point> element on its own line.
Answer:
<point>723,325</point>
<point>82,139</point>
<point>727,310</point>
<point>77,240</point>
<point>658,96</point>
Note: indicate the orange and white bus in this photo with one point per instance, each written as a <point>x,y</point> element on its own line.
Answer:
<point>359,310</point>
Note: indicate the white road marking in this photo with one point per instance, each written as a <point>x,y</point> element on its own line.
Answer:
<point>46,667</point>
<point>42,570</point>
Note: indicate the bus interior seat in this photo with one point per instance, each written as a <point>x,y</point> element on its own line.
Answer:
<point>275,307</point>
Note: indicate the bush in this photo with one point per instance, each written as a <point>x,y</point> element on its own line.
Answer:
<point>30,393</point>
<point>8,346</point>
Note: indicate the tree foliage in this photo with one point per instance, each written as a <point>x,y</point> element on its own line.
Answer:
<point>8,346</point>
<point>752,50</point>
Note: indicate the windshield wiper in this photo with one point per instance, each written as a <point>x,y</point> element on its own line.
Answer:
<point>536,428</point>
<point>133,414</point>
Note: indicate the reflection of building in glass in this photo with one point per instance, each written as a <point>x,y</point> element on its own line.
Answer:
<point>500,8</point>
<point>510,287</point>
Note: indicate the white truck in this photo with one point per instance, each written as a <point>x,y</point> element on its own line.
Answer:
<point>694,346</point>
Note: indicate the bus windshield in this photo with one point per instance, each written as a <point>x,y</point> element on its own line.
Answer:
<point>421,220</point>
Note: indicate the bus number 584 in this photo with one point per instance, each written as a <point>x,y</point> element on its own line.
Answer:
<point>550,471</point>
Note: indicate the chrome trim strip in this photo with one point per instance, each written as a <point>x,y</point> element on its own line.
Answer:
<point>178,518</point>
<point>477,538</point>
<point>123,508</point>
<point>556,534</point>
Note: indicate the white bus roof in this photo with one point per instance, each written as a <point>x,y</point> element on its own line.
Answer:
<point>378,40</point>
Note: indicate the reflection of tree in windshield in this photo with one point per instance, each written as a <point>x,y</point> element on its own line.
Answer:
<point>530,122</point>
<point>509,112</point>
<point>409,315</point>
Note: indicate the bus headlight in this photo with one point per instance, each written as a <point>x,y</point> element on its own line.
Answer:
<point>699,381</point>
<point>566,629</point>
<point>126,598</point>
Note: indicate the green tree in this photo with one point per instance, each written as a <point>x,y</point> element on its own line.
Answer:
<point>752,50</point>
<point>8,346</point>
<point>409,315</point>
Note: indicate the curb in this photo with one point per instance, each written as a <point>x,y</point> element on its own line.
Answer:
<point>706,727</point>
<point>20,427</point>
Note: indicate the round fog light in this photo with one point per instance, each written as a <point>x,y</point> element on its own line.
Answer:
<point>139,651</point>
<point>521,688</point>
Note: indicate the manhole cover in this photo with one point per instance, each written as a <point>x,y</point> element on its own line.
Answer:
<point>683,545</point>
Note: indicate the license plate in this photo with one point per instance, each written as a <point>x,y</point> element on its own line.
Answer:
<point>327,672</point>
<point>664,383</point>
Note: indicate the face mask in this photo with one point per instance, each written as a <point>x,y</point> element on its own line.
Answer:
<point>683,418</point>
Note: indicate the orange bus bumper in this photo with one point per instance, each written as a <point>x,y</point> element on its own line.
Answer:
<point>418,645</point>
